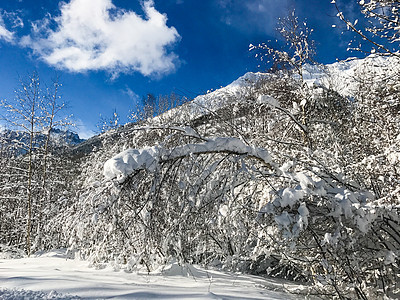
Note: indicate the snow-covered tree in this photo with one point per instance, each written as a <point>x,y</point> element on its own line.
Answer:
<point>106,124</point>
<point>31,174</point>
<point>379,29</point>
<point>298,48</point>
<point>26,114</point>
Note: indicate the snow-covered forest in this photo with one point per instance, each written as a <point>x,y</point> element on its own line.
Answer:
<point>289,174</point>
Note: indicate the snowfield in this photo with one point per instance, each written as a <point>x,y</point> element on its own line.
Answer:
<point>53,276</point>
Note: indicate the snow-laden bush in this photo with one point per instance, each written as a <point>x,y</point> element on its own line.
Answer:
<point>227,204</point>
<point>340,237</point>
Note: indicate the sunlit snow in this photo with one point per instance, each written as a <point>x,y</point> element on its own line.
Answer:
<point>54,276</point>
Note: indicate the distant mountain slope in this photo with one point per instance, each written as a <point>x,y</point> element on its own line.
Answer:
<point>338,76</point>
<point>17,140</point>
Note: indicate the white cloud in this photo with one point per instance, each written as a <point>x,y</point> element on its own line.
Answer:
<point>4,33</point>
<point>96,35</point>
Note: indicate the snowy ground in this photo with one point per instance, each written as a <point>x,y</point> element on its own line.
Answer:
<point>52,276</point>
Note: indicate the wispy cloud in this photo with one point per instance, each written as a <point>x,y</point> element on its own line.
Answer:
<point>350,10</point>
<point>96,35</point>
<point>131,94</point>
<point>83,131</point>
<point>13,18</point>
<point>5,34</point>
<point>260,15</point>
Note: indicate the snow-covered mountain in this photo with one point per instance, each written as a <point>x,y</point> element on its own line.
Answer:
<point>338,76</point>
<point>58,139</point>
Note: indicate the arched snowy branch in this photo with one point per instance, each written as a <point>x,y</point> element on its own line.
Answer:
<point>125,163</point>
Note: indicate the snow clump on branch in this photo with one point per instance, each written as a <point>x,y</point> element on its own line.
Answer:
<point>127,162</point>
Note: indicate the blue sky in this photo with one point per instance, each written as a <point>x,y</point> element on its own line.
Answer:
<point>110,53</point>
